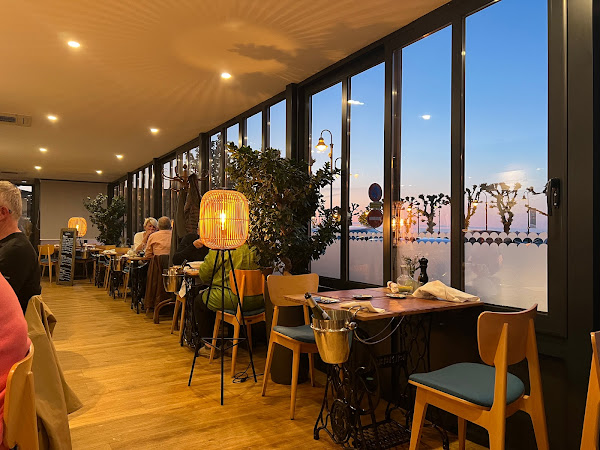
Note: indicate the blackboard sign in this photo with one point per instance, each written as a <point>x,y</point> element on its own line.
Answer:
<point>66,256</point>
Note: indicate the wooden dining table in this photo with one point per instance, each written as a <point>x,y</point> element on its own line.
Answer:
<point>349,384</point>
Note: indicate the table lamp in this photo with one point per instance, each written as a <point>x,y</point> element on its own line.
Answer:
<point>223,226</point>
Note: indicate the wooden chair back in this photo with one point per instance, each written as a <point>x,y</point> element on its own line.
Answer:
<point>46,250</point>
<point>250,282</point>
<point>520,327</point>
<point>589,437</point>
<point>279,286</point>
<point>20,419</point>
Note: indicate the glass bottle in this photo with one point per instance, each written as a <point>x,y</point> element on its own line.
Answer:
<point>405,281</point>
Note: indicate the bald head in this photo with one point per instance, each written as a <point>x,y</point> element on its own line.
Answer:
<point>164,223</point>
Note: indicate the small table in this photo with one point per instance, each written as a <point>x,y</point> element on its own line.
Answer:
<point>352,388</point>
<point>137,282</point>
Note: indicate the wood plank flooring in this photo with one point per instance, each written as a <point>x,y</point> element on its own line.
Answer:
<point>131,376</point>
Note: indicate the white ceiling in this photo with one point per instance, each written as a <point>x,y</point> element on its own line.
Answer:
<point>158,64</point>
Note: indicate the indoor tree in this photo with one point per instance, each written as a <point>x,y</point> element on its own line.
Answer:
<point>107,217</point>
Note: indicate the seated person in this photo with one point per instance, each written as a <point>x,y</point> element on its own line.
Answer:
<point>204,306</point>
<point>18,258</point>
<point>140,239</point>
<point>14,343</point>
<point>190,248</point>
<point>159,243</point>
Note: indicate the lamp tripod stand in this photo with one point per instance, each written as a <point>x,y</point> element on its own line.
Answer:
<point>222,339</point>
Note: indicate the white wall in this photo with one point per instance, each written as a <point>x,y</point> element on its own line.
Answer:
<point>61,200</point>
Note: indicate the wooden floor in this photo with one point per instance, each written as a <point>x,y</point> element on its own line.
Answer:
<point>131,376</point>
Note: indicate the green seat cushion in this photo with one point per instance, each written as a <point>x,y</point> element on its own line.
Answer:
<point>471,382</point>
<point>254,312</point>
<point>303,333</point>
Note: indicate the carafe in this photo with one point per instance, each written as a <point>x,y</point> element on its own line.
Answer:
<point>405,282</point>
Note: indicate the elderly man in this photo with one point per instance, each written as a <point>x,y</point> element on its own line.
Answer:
<point>18,258</point>
<point>159,243</point>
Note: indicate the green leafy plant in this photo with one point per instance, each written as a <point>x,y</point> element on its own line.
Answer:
<point>108,219</point>
<point>284,198</point>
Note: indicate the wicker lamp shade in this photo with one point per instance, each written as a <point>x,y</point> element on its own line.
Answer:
<point>80,224</point>
<point>223,219</point>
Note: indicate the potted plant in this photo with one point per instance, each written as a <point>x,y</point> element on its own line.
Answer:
<point>284,199</point>
<point>107,217</point>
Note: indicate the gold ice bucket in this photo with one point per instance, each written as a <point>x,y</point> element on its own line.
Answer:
<point>172,278</point>
<point>334,336</point>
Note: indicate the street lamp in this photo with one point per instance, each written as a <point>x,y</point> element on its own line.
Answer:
<point>528,209</point>
<point>486,208</point>
<point>321,147</point>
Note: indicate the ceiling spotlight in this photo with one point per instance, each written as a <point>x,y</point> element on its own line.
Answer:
<point>74,44</point>
<point>52,118</point>
<point>99,172</point>
<point>37,167</point>
<point>154,130</point>
<point>119,156</point>
<point>226,75</point>
<point>43,150</point>
<point>426,116</point>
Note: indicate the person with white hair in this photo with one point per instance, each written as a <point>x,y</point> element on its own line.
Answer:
<point>18,258</point>
<point>141,239</point>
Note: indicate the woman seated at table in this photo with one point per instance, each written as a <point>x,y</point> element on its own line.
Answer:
<point>140,239</point>
<point>204,306</point>
<point>14,343</point>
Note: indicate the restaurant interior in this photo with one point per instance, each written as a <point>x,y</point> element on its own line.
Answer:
<point>323,224</point>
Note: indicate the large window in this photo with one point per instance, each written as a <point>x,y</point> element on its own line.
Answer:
<point>215,160</point>
<point>277,126</point>
<point>253,136</point>
<point>506,153</point>
<point>366,111</point>
<point>325,107</point>
<point>422,212</point>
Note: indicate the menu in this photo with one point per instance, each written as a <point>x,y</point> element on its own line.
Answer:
<point>66,256</point>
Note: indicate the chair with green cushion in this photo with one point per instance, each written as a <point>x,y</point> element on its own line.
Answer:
<point>486,394</point>
<point>299,339</point>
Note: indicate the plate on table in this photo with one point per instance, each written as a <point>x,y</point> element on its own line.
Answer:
<point>396,295</point>
<point>362,296</point>
<point>194,264</point>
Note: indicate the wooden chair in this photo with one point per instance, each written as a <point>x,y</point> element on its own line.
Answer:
<point>45,259</point>
<point>483,394</point>
<point>179,304</point>
<point>589,437</point>
<point>20,419</point>
<point>250,282</point>
<point>299,339</point>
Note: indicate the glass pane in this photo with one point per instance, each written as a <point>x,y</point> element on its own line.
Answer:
<point>25,224</point>
<point>277,126</point>
<point>147,192</point>
<point>233,138</point>
<point>134,204</point>
<point>140,201</point>
<point>422,214</point>
<point>214,161</point>
<point>174,186</point>
<point>367,96</point>
<point>254,131</point>
<point>194,162</point>
<point>327,115</point>
<point>506,153</point>
<point>166,192</point>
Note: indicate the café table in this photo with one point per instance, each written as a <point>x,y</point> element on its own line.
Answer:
<point>352,388</point>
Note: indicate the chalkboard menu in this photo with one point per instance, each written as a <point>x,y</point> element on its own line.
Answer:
<point>66,256</point>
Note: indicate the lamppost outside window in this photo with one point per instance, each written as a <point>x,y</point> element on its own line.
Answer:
<point>321,147</point>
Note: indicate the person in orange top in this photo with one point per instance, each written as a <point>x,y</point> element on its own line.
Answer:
<point>159,243</point>
<point>14,342</point>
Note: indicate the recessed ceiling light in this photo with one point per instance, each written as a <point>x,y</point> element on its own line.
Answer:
<point>52,118</point>
<point>74,44</point>
<point>99,172</point>
<point>426,116</point>
<point>226,75</point>
<point>43,150</point>
<point>154,130</point>
<point>119,156</point>
<point>37,167</point>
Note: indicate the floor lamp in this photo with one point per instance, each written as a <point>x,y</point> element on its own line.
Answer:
<point>223,227</point>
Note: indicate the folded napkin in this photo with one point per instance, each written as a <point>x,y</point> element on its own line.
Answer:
<point>364,304</point>
<point>438,290</point>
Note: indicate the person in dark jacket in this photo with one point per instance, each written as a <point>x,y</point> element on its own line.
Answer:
<point>18,258</point>
<point>190,248</point>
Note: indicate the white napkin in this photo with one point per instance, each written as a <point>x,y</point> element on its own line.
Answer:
<point>364,304</point>
<point>438,290</point>
<point>183,289</point>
